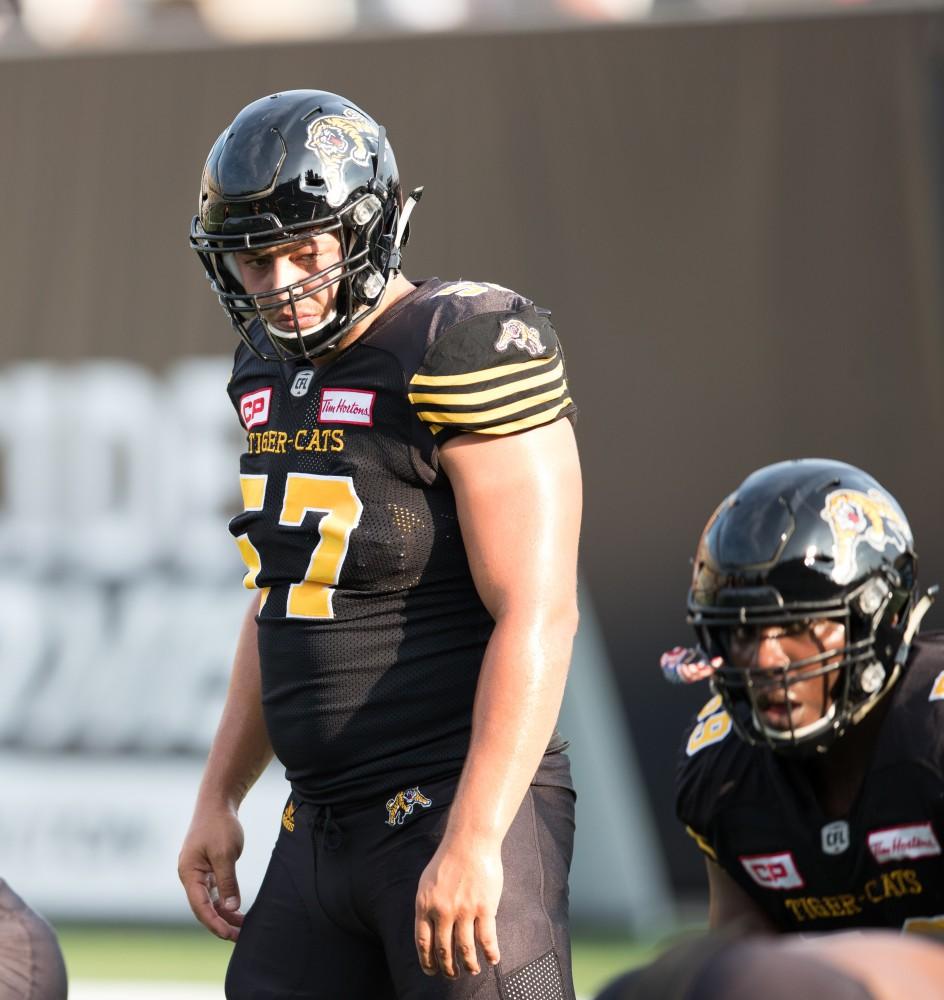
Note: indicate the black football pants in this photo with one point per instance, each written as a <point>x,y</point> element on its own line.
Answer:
<point>334,916</point>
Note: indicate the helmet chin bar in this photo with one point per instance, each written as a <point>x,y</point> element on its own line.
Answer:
<point>800,734</point>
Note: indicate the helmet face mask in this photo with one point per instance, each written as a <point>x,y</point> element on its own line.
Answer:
<point>289,168</point>
<point>815,556</point>
<point>840,676</point>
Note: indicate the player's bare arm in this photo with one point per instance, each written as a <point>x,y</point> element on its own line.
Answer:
<point>238,755</point>
<point>729,904</point>
<point>518,499</point>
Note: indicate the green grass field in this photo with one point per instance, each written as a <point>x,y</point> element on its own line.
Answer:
<point>152,954</point>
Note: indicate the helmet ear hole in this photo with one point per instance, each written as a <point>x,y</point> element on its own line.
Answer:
<point>869,677</point>
<point>368,285</point>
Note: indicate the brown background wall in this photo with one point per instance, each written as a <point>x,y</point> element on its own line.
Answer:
<point>736,226</point>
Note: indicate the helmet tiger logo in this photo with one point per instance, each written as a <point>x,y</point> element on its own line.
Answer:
<point>524,337</point>
<point>855,517</point>
<point>401,805</point>
<point>338,140</point>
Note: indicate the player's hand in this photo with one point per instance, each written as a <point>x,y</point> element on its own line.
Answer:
<point>681,665</point>
<point>207,869</point>
<point>456,904</point>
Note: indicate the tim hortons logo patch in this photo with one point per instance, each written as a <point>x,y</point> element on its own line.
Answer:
<point>254,407</point>
<point>773,871</point>
<point>401,805</point>
<point>901,843</point>
<point>347,406</point>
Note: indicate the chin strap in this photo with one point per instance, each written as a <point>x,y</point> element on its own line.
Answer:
<point>402,225</point>
<point>291,335</point>
<point>914,623</point>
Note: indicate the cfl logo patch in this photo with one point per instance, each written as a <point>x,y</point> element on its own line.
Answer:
<point>773,871</point>
<point>254,407</point>
<point>835,837</point>
<point>302,382</point>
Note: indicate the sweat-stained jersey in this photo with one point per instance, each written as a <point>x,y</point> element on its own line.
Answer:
<point>754,814</point>
<point>371,632</point>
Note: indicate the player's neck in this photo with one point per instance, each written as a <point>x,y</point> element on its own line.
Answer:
<point>837,776</point>
<point>398,288</point>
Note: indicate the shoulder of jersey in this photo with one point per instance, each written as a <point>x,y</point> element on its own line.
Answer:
<point>492,363</point>
<point>452,302</point>
<point>918,710</point>
<point>712,762</point>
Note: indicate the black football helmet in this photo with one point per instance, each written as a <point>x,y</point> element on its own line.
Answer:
<point>290,166</point>
<point>797,542</point>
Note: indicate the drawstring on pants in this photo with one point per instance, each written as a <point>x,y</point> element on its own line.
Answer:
<point>325,827</point>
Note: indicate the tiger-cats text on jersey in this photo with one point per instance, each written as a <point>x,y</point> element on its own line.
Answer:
<point>754,813</point>
<point>371,632</point>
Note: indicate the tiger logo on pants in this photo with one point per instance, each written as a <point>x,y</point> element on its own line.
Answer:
<point>401,805</point>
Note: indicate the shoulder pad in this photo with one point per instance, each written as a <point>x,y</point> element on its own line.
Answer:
<point>712,725</point>
<point>492,373</point>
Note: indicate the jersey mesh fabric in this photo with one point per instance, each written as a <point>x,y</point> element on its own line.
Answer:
<point>381,690</point>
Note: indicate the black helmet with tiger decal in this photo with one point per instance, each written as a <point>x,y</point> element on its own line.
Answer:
<point>801,542</point>
<point>290,166</point>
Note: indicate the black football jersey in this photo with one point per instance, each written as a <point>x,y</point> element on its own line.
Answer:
<point>371,632</point>
<point>753,813</point>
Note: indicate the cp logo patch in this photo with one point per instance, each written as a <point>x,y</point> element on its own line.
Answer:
<point>254,407</point>
<point>773,871</point>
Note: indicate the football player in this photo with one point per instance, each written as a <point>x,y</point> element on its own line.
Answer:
<point>412,506</point>
<point>813,780</point>
<point>31,962</point>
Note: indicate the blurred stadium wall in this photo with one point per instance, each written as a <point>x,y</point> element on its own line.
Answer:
<point>737,226</point>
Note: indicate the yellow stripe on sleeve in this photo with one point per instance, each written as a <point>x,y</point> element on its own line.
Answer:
<point>536,419</point>
<point>496,413</point>
<point>487,395</point>
<point>484,375</point>
<point>545,417</point>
